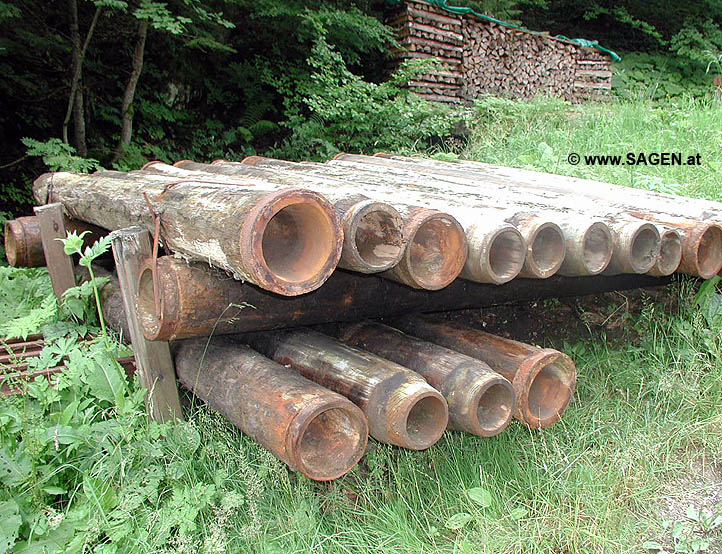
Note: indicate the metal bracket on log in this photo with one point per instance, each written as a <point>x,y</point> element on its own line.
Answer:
<point>131,248</point>
<point>60,266</point>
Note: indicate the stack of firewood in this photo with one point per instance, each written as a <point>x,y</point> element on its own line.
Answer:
<point>479,56</point>
<point>424,32</point>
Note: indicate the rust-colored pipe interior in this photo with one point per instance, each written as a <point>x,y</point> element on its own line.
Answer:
<point>378,238</point>
<point>332,443</point>
<point>597,248</point>
<point>297,242</point>
<point>670,253</point>
<point>506,255</point>
<point>494,408</point>
<point>426,420</point>
<point>547,250</point>
<point>709,252</point>
<point>550,390</point>
<point>645,249</point>
<point>436,252</point>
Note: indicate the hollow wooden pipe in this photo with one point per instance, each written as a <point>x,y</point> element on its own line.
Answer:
<point>285,240</point>
<point>496,248</point>
<point>670,252</point>
<point>698,221</point>
<point>24,246</point>
<point>401,408</point>
<point>313,430</point>
<point>480,400</point>
<point>436,245</point>
<point>543,379</point>
<point>197,301</point>
<point>373,238</point>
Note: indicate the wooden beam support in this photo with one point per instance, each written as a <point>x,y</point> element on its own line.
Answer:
<point>131,248</point>
<point>60,265</point>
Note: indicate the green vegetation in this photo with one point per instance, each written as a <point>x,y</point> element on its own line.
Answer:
<point>631,467</point>
<point>126,81</point>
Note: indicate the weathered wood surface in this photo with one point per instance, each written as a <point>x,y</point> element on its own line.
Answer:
<point>543,190</point>
<point>387,393</point>
<point>480,400</point>
<point>131,247</point>
<point>313,430</point>
<point>481,223</point>
<point>257,233</point>
<point>562,185</point>
<point>373,239</point>
<point>60,266</point>
<point>232,307</point>
<point>433,244</point>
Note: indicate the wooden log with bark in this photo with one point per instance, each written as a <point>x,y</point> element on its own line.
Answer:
<point>285,240</point>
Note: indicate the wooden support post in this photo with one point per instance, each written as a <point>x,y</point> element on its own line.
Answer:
<point>131,248</point>
<point>60,266</point>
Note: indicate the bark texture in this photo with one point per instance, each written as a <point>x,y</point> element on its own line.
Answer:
<point>259,235</point>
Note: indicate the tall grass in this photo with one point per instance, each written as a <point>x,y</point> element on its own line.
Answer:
<point>541,134</point>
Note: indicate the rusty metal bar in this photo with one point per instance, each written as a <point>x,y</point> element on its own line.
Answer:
<point>543,379</point>
<point>402,409</point>
<point>313,430</point>
<point>480,400</point>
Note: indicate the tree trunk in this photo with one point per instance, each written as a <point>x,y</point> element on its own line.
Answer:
<point>75,99</point>
<point>284,240</point>
<point>126,110</point>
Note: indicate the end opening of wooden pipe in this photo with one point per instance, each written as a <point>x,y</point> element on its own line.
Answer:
<point>325,440</point>
<point>670,253</point>
<point>589,248</point>
<point>490,404</point>
<point>702,250</point>
<point>435,250</point>
<point>496,254</point>
<point>292,241</point>
<point>643,244</point>
<point>373,238</point>
<point>413,414</point>
<point>545,248</point>
<point>156,324</point>
<point>544,385</point>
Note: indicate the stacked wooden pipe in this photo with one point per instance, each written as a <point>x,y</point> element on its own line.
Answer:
<point>251,252</point>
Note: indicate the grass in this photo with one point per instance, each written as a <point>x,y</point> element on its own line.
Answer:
<point>645,425</point>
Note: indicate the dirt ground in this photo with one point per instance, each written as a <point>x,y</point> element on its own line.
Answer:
<point>550,323</point>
